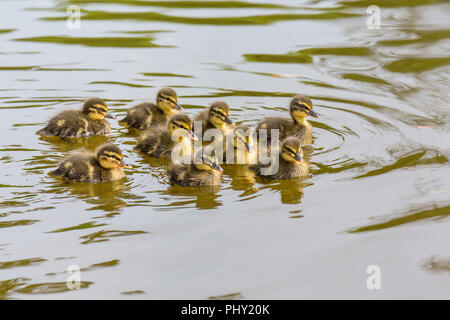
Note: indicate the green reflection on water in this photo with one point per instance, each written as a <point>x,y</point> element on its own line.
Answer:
<point>186,4</point>
<point>409,160</point>
<point>416,64</point>
<point>434,212</point>
<point>224,21</point>
<point>420,37</point>
<point>125,42</point>
<point>306,55</point>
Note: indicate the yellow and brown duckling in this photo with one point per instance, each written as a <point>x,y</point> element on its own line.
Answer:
<point>242,145</point>
<point>88,121</point>
<point>300,107</point>
<point>205,173</point>
<point>157,141</point>
<point>146,115</point>
<point>216,116</point>
<point>290,162</point>
<point>102,166</point>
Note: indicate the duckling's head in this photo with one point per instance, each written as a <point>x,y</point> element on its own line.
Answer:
<point>208,163</point>
<point>109,156</point>
<point>291,150</point>
<point>167,101</point>
<point>300,107</point>
<point>242,138</point>
<point>96,109</point>
<point>219,114</point>
<point>181,122</point>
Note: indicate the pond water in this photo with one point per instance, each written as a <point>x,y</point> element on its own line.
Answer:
<point>380,184</point>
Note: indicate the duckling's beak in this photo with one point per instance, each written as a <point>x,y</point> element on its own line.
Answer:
<point>217,167</point>
<point>178,107</point>
<point>192,135</point>
<point>123,165</point>
<point>109,116</point>
<point>313,114</point>
<point>228,120</point>
<point>298,156</point>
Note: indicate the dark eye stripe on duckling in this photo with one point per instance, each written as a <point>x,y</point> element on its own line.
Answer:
<point>113,155</point>
<point>167,98</point>
<point>181,125</point>
<point>289,150</point>
<point>304,106</point>
<point>102,109</point>
<point>220,114</point>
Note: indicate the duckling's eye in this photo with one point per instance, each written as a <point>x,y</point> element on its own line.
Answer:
<point>111,157</point>
<point>289,150</point>
<point>220,114</point>
<point>100,110</point>
<point>180,126</point>
<point>100,107</point>
<point>303,106</point>
<point>168,99</point>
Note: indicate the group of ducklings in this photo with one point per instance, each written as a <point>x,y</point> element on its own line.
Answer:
<point>157,122</point>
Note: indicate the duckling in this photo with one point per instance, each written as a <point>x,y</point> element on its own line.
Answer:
<point>157,141</point>
<point>103,166</point>
<point>216,116</point>
<point>290,161</point>
<point>300,107</point>
<point>87,122</point>
<point>241,146</point>
<point>205,173</point>
<point>146,115</point>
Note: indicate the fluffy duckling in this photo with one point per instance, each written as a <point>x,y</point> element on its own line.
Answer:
<point>146,115</point>
<point>87,122</point>
<point>157,141</point>
<point>206,173</point>
<point>103,166</point>
<point>242,145</point>
<point>290,160</point>
<point>216,116</point>
<point>300,107</point>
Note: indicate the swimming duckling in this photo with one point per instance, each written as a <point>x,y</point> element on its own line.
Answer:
<point>206,173</point>
<point>104,165</point>
<point>87,122</point>
<point>290,161</point>
<point>241,150</point>
<point>216,116</point>
<point>146,115</point>
<point>300,107</point>
<point>157,141</point>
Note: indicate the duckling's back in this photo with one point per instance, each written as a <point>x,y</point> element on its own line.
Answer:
<point>285,170</point>
<point>188,175</point>
<point>83,167</point>
<point>77,167</point>
<point>72,123</point>
<point>66,124</point>
<point>287,127</point>
<point>204,118</point>
<point>156,142</point>
<point>144,116</point>
<point>289,170</point>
